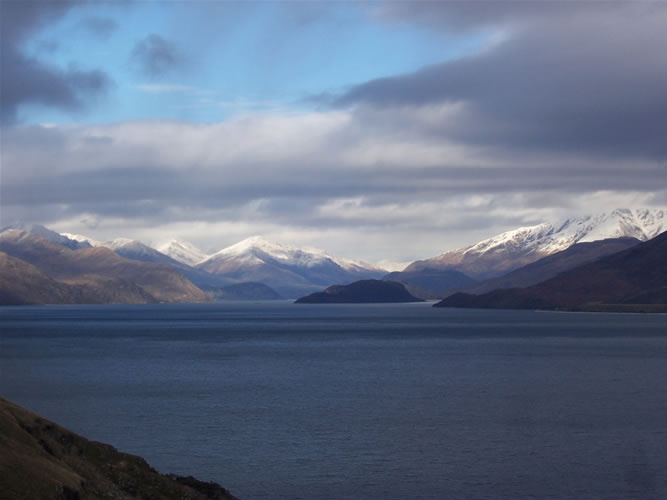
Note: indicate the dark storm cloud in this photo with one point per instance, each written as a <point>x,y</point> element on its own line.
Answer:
<point>260,172</point>
<point>115,190</point>
<point>29,80</point>
<point>587,81</point>
<point>154,56</point>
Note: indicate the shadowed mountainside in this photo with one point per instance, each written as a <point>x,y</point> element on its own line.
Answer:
<point>41,460</point>
<point>135,250</point>
<point>513,249</point>
<point>631,280</point>
<point>23,283</point>
<point>361,292</point>
<point>97,270</point>
<point>552,265</point>
<point>46,233</point>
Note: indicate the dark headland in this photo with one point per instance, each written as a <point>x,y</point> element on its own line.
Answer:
<point>41,460</point>
<point>361,292</point>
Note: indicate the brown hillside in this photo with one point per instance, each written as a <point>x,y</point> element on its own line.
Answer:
<point>98,268</point>
<point>41,460</point>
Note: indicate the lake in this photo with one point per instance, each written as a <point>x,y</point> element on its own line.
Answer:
<point>283,401</point>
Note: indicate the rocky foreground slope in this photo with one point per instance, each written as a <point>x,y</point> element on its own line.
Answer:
<point>41,460</point>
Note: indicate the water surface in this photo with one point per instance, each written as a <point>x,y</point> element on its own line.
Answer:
<point>275,400</point>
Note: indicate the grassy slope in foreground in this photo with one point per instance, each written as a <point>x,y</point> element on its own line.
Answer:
<point>41,460</point>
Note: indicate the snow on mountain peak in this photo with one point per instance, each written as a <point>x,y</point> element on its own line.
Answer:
<point>117,243</point>
<point>642,224</point>
<point>183,251</point>
<point>81,239</point>
<point>48,234</point>
<point>255,243</point>
<point>257,249</point>
<point>511,249</point>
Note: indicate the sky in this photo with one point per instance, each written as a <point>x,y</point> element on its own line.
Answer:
<point>383,131</point>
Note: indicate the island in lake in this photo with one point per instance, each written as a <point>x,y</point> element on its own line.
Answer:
<point>361,292</point>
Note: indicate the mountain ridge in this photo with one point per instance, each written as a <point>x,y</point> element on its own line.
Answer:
<point>293,272</point>
<point>100,270</point>
<point>290,271</point>
<point>634,279</point>
<point>183,252</point>
<point>512,249</point>
<point>551,265</point>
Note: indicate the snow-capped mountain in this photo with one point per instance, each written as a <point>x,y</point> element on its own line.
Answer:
<point>183,252</point>
<point>128,248</point>
<point>44,232</point>
<point>289,270</point>
<point>82,239</point>
<point>512,249</point>
<point>136,250</point>
<point>257,249</point>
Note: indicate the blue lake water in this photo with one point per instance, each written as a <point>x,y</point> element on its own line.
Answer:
<point>282,401</point>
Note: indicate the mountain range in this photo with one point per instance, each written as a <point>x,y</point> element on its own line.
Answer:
<point>551,265</point>
<point>80,269</point>
<point>290,271</point>
<point>503,253</point>
<point>253,269</point>
<point>634,279</point>
<point>37,270</point>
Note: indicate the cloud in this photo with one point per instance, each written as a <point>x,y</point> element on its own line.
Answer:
<point>29,80</point>
<point>164,88</point>
<point>323,174</point>
<point>155,56</point>
<point>102,27</point>
<point>48,46</point>
<point>465,16</point>
<point>585,79</point>
<point>564,113</point>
